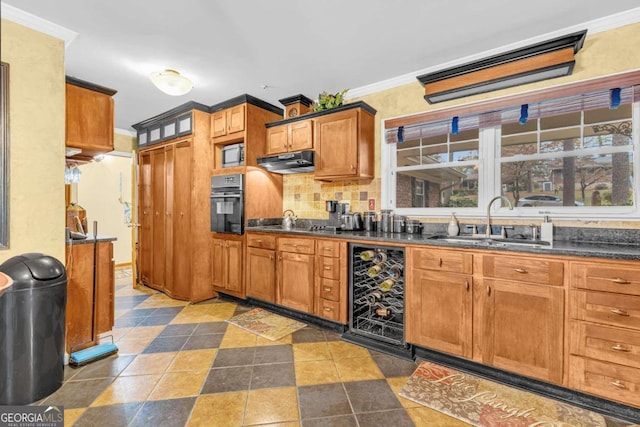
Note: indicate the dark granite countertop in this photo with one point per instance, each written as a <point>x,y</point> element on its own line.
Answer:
<point>560,247</point>
<point>89,239</point>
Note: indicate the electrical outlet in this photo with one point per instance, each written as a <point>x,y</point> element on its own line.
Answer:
<point>372,204</point>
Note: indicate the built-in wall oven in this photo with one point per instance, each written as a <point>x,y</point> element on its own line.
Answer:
<point>227,204</point>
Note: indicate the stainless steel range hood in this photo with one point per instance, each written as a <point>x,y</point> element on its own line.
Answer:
<point>298,162</point>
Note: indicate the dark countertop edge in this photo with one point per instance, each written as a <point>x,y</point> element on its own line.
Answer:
<point>313,115</point>
<point>89,239</point>
<point>616,252</point>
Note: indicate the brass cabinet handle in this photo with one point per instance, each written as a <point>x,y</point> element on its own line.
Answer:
<point>295,246</point>
<point>620,347</point>
<point>620,312</point>
<point>466,284</point>
<point>620,281</point>
<point>327,289</point>
<point>259,241</point>
<point>279,257</point>
<point>619,384</point>
<point>489,290</point>
<point>520,270</point>
<point>328,309</point>
<point>327,267</point>
<point>327,248</point>
<point>271,257</point>
<point>353,167</point>
<point>439,262</point>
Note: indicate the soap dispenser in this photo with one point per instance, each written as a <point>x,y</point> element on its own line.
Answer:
<point>546,230</point>
<point>453,229</point>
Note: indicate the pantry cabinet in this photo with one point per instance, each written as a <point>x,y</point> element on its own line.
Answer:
<point>174,183</point>
<point>227,261</point>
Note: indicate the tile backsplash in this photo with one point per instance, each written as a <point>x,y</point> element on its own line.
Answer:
<point>306,196</point>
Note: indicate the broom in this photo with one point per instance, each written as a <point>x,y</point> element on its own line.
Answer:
<point>99,351</point>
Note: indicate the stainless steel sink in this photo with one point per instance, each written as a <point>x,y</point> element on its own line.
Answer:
<point>490,241</point>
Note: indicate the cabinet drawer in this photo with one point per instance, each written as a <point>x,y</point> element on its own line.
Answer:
<point>328,248</point>
<point>609,309</point>
<point>538,271</point>
<point>330,289</point>
<point>435,259</point>
<point>329,267</point>
<point>261,241</point>
<point>604,343</point>
<point>300,246</point>
<point>615,382</point>
<point>607,278</point>
<point>329,309</point>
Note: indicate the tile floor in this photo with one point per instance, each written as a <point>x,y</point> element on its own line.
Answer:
<point>182,364</point>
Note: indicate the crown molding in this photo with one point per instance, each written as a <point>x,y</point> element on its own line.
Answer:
<point>36,23</point>
<point>593,27</point>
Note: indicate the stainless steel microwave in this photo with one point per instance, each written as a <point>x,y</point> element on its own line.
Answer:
<point>233,155</point>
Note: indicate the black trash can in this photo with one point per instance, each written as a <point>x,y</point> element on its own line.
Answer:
<point>32,328</point>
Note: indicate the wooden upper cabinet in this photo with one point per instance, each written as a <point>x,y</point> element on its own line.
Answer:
<point>89,118</point>
<point>294,136</point>
<point>228,122</point>
<point>344,145</point>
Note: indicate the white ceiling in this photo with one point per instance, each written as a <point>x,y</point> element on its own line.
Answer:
<point>274,49</point>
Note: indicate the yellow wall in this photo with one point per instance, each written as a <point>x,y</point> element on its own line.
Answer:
<point>123,143</point>
<point>602,54</point>
<point>36,138</point>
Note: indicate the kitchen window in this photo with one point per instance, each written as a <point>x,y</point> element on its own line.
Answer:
<point>572,156</point>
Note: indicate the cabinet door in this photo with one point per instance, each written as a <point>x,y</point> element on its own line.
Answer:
<point>145,215</point>
<point>523,329</point>
<point>295,281</point>
<point>105,285</point>
<point>89,119</point>
<point>336,138</point>
<point>439,311</point>
<point>181,214</point>
<point>168,219</point>
<point>217,262</point>
<point>158,180</point>
<point>301,135</point>
<point>232,269</point>
<point>235,119</point>
<point>219,123</point>
<point>261,274</point>
<point>277,139</point>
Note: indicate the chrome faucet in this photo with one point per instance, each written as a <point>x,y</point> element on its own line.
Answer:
<point>488,231</point>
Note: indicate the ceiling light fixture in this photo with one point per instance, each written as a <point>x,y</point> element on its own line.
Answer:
<point>541,61</point>
<point>171,82</point>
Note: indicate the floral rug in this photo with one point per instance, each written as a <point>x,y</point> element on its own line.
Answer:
<point>266,324</point>
<point>485,403</point>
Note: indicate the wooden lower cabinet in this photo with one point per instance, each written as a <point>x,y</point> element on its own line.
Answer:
<point>295,281</point>
<point>227,263</point>
<point>261,274</point>
<point>439,311</point>
<point>331,280</point>
<point>523,328</point>
<point>79,309</point>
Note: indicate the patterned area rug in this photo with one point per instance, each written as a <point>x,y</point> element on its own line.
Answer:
<point>266,324</point>
<point>488,404</point>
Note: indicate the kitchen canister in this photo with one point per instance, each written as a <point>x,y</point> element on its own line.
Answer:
<point>386,216</point>
<point>370,221</point>
<point>398,224</point>
<point>413,226</point>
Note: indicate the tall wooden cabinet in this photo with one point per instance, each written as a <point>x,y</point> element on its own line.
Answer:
<point>173,191</point>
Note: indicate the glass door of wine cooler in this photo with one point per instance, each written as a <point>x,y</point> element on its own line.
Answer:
<point>376,306</point>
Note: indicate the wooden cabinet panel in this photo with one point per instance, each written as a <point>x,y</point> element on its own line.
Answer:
<point>336,137</point>
<point>613,345</point>
<point>609,380</point>
<point>330,289</point>
<point>105,286</point>
<point>328,248</point>
<point>217,262</point>
<point>523,328</point>
<point>228,122</point>
<point>168,220</point>
<point>329,268</point>
<point>264,241</point>
<point>219,123</point>
<point>606,308</point>
<point>329,309</point>
<point>296,245</point>
<point>439,310</point>
<point>227,265</point>
<point>261,272</point>
<point>277,139</point>
<point>442,260</point>
<point>295,280</point>
<point>89,120</point>
<point>145,217</point>
<point>606,277</point>
<point>532,270</point>
<point>294,136</point>
<point>181,217</point>
<point>158,181</point>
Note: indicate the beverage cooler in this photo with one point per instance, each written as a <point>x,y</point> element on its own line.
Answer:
<point>376,287</point>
